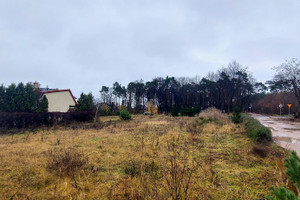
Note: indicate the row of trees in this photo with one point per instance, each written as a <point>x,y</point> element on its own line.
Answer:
<point>229,88</point>
<point>22,98</point>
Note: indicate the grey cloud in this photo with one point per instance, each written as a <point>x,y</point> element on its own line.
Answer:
<point>83,45</point>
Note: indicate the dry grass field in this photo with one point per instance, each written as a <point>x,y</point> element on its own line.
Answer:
<point>148,157</point>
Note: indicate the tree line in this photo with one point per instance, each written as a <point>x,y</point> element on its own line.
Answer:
<point>230,88</point>
<point>22,98</point>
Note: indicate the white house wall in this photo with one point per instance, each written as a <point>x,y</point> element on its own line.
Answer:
<point>59,101</point>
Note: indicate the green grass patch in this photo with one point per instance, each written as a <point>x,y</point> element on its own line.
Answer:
<point>96,139</point>
<point>256,130</point>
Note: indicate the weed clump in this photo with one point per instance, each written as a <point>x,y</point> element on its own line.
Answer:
<point>135,168</point>
<point>256,130</point>
<point>125,115</point>
<point>210,115</point>
<point>261,151</point>
<point>66,163</point>
<point>214,115</point>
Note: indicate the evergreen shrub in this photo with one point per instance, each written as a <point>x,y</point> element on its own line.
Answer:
<point>125,115</point>
<point>256,130</point>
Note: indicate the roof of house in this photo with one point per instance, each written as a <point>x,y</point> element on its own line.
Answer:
<point>55,91</point>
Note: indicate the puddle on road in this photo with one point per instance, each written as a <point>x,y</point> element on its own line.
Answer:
<point>270,122</point>
<point>287,139</point>
<point>292,129</point>
<point>285,132</point>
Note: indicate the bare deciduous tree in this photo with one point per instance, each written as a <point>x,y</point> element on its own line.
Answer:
<point>288,78</point>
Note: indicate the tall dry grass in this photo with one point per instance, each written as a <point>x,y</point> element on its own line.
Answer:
<point>214,114</point>
<point>156,157</point>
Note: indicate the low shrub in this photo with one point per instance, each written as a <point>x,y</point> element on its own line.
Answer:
<point>132,169</point>
<point>236,117</point>
<point>66,162</point>
<point>256,130</point>
<point>175,112</point>
<point>125,115</point>
<point>263,134</point>
<point>135,168</point>
<point>191,112</point>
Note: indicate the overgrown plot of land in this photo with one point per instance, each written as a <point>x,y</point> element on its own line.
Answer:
<point>159,157</point>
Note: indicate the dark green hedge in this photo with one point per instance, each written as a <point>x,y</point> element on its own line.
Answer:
<point>191,112</point>
<point>20,120</point>
<point>256,130</point>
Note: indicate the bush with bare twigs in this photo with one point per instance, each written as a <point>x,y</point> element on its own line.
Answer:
<point>66,162</point>
<point>178,171</point>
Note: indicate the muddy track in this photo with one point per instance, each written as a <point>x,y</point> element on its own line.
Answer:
<point>285,132</point>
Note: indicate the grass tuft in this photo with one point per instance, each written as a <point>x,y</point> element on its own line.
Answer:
<point>66,162</point>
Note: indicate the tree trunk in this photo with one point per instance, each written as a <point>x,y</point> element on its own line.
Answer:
<point>296,92</point>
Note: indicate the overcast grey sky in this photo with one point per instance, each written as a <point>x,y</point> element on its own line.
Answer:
<point>83,45</point>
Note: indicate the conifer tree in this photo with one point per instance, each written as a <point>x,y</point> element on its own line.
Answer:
<point>293,168</point>
<point>22,98</point>
<point>85,102</point>
<point>43,105</point>
<point>282,194</point>
<point>293,171</point>
<point>2,98</point>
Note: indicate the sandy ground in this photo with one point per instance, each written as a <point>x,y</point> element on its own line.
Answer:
<point>285,132</point>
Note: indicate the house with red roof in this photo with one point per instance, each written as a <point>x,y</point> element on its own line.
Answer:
<point>60,100</point>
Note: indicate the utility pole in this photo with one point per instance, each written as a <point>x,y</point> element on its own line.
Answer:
<point>280,106</point>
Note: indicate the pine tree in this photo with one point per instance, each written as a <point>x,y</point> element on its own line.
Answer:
<point>43,104</point>
<point>282,194</point>
<point>293,171</point>
<point>22,98</point>
<point>2,98</point>
<point>10,96</point>
<point>293,168</point>
<point>31,98</point>
<point>85,102</point>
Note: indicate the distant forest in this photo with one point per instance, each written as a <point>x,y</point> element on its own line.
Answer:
<point>231,88</point>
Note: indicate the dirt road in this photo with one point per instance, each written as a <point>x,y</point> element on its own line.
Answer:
<point>285,132</point>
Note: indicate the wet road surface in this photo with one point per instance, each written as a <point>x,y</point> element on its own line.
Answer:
<point>285,132</point>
